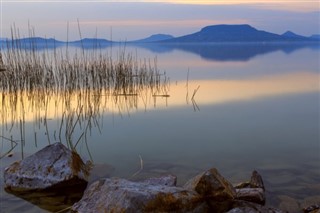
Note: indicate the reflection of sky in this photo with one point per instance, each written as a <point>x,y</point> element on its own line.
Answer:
<point>133,20</point>
<point>273,74</point>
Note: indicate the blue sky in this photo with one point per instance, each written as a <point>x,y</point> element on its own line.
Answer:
<point>131,20</point>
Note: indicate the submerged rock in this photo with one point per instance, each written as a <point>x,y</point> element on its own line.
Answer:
<point>252,191</point>
<point>166,180</point>
<point>100,170</point>
<point>248,207</point>
<point>289,204</point>
<point>53,166</point>
<point>120,195</point>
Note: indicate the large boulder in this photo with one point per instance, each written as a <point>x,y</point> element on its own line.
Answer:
<point>120,195</point>
<point>53,166</point>
<point>215,189</point>
<point>211,184</point>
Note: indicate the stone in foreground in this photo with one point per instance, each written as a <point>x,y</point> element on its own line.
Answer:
<point>53,166</point>
<point>212,185</point>
<point>252,191</point>
<point>240,206</point>
<point>254,195</point>
<point>215,189</point>
<point>120,195</point>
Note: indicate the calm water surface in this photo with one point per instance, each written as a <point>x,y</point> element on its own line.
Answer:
<point>254,108</point>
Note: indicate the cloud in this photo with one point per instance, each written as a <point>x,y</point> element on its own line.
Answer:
<point>167,23</point>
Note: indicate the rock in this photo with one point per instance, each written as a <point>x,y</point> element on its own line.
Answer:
<point>215,189</point>
<point>255,210</point>
<point>53,166</point>
<point>256,180</point>
<point>248,207</point>
<point>312,201</point>
<point>212,184</point>
<point>312,209</point>
<point>99,171</point>
<point>252,191</point>
<point>255,195</point>
<point>289,204</point>
<point>120,195</point>
<point>167,180</point>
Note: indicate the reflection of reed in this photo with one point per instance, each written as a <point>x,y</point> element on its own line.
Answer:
<point>78,87</point>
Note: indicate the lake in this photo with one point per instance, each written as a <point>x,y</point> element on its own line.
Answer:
<point>235,107</point>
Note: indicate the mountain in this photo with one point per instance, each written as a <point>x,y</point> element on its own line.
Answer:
<point>88,43</point>
<point>232,33</point>
<point>154,38</point>
<point>290,34</point>
<point>33,42</point>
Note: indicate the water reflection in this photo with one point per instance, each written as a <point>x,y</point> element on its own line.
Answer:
<point>74,90</point>
<point>229,51</point>
<point>53,200</point>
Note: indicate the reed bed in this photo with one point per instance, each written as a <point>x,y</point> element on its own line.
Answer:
<point>93,76</point>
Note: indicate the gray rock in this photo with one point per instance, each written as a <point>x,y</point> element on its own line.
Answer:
<point>215,189</point>
<point>255,210</point>
<point>312,209</point>
<point>289,204</point>
<point>53,166</point>
<point>167,180</point>
<point>120,195</point>
<point>212,185</point>
<point>252,191</point>
<point>311,204</point>
<point>256,180</point>
<point>248,207</point>
<point>99,171</point>
<point>255,195</point>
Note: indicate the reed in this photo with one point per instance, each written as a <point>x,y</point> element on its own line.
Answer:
<point>93,76</point>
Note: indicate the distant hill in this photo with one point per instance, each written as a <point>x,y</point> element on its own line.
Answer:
<point>89,43</point>
<point>154,38</point>
<point>232,33</point>
<point>37,40</point>
<point>33,42</point>
<point>290,34</point>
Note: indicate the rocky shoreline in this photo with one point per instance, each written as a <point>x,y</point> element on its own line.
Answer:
<point>56,174</point>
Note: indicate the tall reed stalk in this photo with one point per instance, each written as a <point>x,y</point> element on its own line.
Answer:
<point>92,76</point>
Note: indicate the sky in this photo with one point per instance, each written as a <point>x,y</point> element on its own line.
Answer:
<point>130,20</point>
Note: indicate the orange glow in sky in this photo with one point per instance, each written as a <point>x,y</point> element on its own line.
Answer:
<point>295,5</point>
